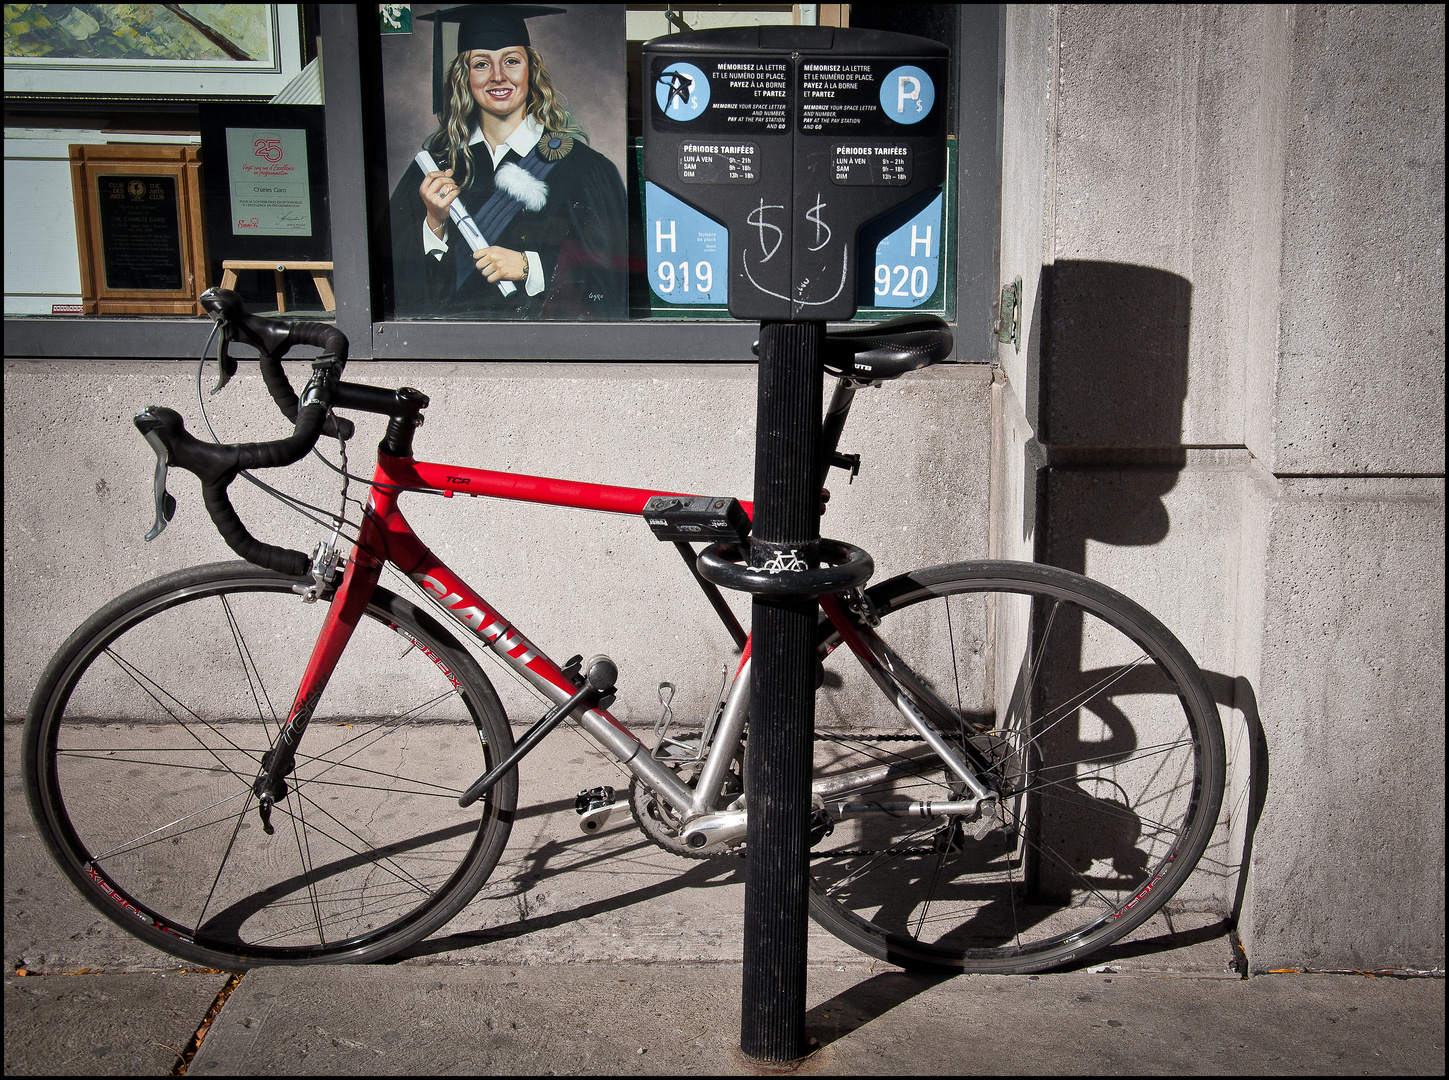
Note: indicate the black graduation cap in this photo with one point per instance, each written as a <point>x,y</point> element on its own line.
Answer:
<point>480,26</point>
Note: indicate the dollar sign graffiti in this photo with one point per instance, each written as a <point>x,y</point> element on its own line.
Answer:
<point>813,216</point>
<point>757,218</point>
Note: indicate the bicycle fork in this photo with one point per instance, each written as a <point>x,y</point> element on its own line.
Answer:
<point>358,583</point>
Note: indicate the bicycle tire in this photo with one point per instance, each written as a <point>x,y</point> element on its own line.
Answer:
<point>146,732</point>
<point>1102,739</point>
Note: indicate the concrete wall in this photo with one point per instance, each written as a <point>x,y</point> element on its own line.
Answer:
<point>1229,403</point>
<point>78,497</point>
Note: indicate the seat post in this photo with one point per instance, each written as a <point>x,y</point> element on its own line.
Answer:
<point>835,416</point>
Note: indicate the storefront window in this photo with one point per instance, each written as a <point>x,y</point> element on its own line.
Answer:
<point>105,173</point>
<point>220,157</point>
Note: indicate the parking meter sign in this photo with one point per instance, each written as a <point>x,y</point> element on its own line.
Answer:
<point>688,255</point>
<point>870,96</point>
<point>682,92</point>
<point>793,139</point>
<point>908,261</point>
<point>907,94</point>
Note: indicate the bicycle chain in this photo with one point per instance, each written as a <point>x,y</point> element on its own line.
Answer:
<point>819,736</point>
<point>845,736</point>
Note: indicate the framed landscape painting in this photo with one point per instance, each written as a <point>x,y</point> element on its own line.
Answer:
<point>189,51</point>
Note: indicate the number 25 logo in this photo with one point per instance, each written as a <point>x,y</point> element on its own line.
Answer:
<point>271,149</point>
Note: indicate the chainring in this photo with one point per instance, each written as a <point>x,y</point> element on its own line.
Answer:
<point>657,819</point>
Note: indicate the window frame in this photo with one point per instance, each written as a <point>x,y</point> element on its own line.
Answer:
<point>980,85</point>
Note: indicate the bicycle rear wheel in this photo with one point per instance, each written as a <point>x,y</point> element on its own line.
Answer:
<point>146,734</point>
<point>1099,736</point>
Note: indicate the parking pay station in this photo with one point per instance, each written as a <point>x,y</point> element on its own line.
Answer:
<point>792,139</point>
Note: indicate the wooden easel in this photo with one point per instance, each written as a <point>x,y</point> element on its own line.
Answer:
<point>229,268</point>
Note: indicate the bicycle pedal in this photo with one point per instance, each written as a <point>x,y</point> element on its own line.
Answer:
<point>597,807</point>
<point>592,799</point>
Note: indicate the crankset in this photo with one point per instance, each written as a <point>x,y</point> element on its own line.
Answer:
<point>660,822</point>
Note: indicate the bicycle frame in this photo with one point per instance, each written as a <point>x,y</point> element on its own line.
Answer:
<point>386,536</point>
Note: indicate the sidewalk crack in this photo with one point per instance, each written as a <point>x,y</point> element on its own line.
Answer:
<point>205,1026</point>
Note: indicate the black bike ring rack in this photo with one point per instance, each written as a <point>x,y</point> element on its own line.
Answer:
<point>849,568</point>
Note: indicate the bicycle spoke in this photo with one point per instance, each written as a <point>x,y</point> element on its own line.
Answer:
<point>398,871</point>
<point>1068,708</point>
<point>1120,815</point>
<point>955,667</point>
<point>1011,896</point>
<point>304,855</point>
<point>381,730</point>
<point>1154,750</point>
<point>422,788</point>
<point>249,665</point>
<point>1042,849</point>
<point>1036,663</point>
<point>930,892</point>
<point>221,865</point>
<point>120,756</point>
<point>135,842</point>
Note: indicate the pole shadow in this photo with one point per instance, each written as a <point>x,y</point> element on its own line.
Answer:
<point>852,1009</point>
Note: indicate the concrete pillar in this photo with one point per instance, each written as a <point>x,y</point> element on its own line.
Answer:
<point>1229,227</point>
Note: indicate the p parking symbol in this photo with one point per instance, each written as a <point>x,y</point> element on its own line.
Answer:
<point>907,95</point>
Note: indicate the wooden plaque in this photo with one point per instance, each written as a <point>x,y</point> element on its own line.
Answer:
<point>139,228</point>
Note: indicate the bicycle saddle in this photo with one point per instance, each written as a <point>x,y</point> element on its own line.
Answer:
<point>872,352</point>
<point>875,351</point>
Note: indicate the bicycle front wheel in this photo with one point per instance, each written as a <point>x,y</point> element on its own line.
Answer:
<point>1089,721</point>
<point>146,735</point>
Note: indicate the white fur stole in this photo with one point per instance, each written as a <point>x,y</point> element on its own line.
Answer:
<point>519,183</point>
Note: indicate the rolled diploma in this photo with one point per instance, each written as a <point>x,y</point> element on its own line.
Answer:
<point>461,218</point>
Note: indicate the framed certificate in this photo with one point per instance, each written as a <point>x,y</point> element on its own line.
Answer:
<point>266,183</point>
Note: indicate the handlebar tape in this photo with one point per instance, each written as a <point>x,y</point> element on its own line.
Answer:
<point>217,466</point>
<point>273,338</point>
<point>224,516</point>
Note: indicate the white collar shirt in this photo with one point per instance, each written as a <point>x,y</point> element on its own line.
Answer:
<point>524,138</point>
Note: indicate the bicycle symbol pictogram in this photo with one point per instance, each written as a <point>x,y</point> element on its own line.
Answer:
<point>785,562</point>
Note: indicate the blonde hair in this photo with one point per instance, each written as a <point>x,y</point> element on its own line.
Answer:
<point>545,105</point>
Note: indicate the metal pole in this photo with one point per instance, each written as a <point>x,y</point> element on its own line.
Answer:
<point>782,702</point>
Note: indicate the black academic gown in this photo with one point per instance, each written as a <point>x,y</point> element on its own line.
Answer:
<point>580,235</point>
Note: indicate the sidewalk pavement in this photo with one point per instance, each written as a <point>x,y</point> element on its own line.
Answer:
<point>625,959</point>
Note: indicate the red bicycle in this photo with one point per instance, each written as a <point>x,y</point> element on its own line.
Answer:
<point>283,761</point>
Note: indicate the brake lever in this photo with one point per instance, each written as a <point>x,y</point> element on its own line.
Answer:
<point>225,362</point>
<point>165,504</point>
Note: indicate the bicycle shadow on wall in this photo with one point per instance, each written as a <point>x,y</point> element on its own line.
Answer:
<point>1107,378</point>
